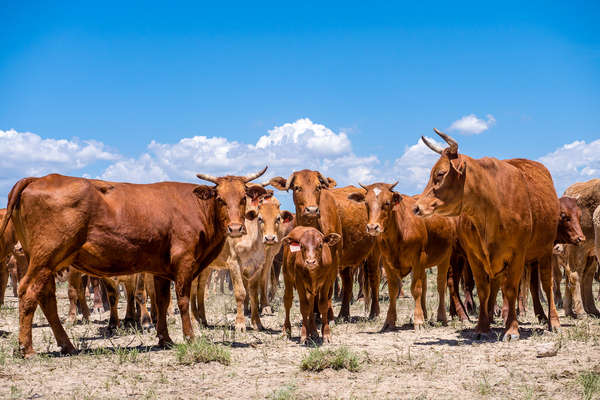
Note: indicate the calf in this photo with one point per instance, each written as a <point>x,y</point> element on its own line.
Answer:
<point>309,265</point>
<point>408,244</point>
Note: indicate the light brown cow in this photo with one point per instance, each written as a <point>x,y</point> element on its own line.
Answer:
<point>172,230</point>
<point>509,215</point>
<point>329,210</point>
<point>408,244</point>
<point>310,267</point>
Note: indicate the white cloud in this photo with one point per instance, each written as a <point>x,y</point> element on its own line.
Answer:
<point>27,154</point>
<point>413,167</point>
<point>471,125</point>
<point>574,162</point>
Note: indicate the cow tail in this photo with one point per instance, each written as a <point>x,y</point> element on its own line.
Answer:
<point>13,200</point>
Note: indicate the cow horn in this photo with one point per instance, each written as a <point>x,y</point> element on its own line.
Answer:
<point>206,177</point>
<point>251,177</point>
<point>362,186</point>
<point>453,143</point>
<point>432,146</point>
<point>391,187</point>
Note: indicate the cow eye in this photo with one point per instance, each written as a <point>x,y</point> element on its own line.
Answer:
<point>297,189</point>
<point>387,204</point>
<point>260,220</point>
<point>220,200</point>
<point>243,201</point>
<point>278,220</point>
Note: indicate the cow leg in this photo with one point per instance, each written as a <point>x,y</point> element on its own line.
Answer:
<point>265,274</point>
<point>183,286</point>
<point>200,296</point>
<point>468,286</point>
<point>274,282</point>
<point>112,292</point>
<point>288,298</point>
<point>253,293</point>
<point>307,311</point>
<point>491,304</point>
<point>534,285</point>
<point>324,310</point>
<point>586,283</point>
<point>346,275</point>
<point>239,291</point>
<point>442,275</point>
<point>509,290</point>
<point>545,274</point>
<point>390,319</point>
<point>131,319</point>
<point>482,282</point>
<point>141,296</point>
<point>573,303</point>
<point>417,289</point>
<point>3,280</point>
<point>372,283</point>
<point>456,304</point>
<point>522,296</point>
<point>556,279</point>
<point>14,281</point>
<point>47,301</point>
<point>72,294</point>
<point>162,292</point>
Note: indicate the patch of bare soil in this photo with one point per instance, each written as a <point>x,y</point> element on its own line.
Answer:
<point>441,362</point>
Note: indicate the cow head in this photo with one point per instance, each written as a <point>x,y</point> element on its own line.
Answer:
<point>307,186</point>
<point>379,199</point>
<point>569,228</point>
<point>230,194</point>
<point>309,243</point>
<point>271,219</point>
<point>444,191</point>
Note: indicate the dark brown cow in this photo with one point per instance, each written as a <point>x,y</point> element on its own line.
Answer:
<point>509,215</point>
<point>172,230</point>
<point>329,210</point>
<point>408,244</point>
<point>309,266</point>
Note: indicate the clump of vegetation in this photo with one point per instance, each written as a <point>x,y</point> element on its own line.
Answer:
<point>125,354</point>
<point>590,381</point>
<point>340,358</point>
<point>288,392</point>
<point>202,350</point>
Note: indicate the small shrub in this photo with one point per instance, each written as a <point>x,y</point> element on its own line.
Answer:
<point>127,355</point>
<point>202,350</point>
<point>341,358</point>
<point>590,381</point>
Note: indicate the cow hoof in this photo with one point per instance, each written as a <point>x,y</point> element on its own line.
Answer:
<point>267,310</point>
<point>387,327</point>
<point>419,328</point>
<point>327,339</point>
<point>240,327</point>
<point>165,343</point>
<point>68,350</point>
<point>509,337</point>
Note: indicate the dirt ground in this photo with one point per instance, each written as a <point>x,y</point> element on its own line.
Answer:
<point>441,362</point>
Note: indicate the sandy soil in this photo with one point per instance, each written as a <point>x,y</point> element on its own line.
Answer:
<point>439,363</point>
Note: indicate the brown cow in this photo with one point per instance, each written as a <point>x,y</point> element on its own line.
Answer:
<point>509,215</point>
<point>172,230</point>
<point>329,210</point>
<point>568,232</point>
<point>408,244</point>
<point>309,266</point>
<point>582,260</point>
<point>8,241</point>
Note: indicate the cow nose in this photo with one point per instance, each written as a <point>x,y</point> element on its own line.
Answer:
<point>235,230</point>
<point>417,210</point>
<point>312,210</point>
<point>270,239</point>
<point>579,240</point>
<point>311,262</point>
<point>373,229</point>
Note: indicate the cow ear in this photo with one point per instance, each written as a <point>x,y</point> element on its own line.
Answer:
<point>287,216</point>
<point>460,168</point>
<point>331,239</point>
<point>396,198</point>
<point>358,197</point>
<point>205,192</point>
<point>278,182</point>
<point>251,215</point>
<point>255,191</point>
<point>332,182</point>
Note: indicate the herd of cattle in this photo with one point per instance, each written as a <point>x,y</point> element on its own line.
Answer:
<point>486,223</point>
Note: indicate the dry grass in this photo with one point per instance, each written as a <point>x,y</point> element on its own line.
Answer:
<point>318,360</point>
<point>442,362</point>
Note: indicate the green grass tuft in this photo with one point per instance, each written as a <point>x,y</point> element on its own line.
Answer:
<point>590,381</point>
<point>202,350</point>
<point>341,358</point>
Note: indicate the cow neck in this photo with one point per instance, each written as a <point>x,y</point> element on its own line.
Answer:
<point>301,220</point>
<point>399,223</point>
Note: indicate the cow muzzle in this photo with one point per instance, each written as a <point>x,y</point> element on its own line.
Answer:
<point>236,230</point>
<point>374,229</point>
<point>310,262</point>
<point>270,239</point>
<point>312,211</point>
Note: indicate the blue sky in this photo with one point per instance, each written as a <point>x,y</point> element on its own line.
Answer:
<point>139,82</point>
